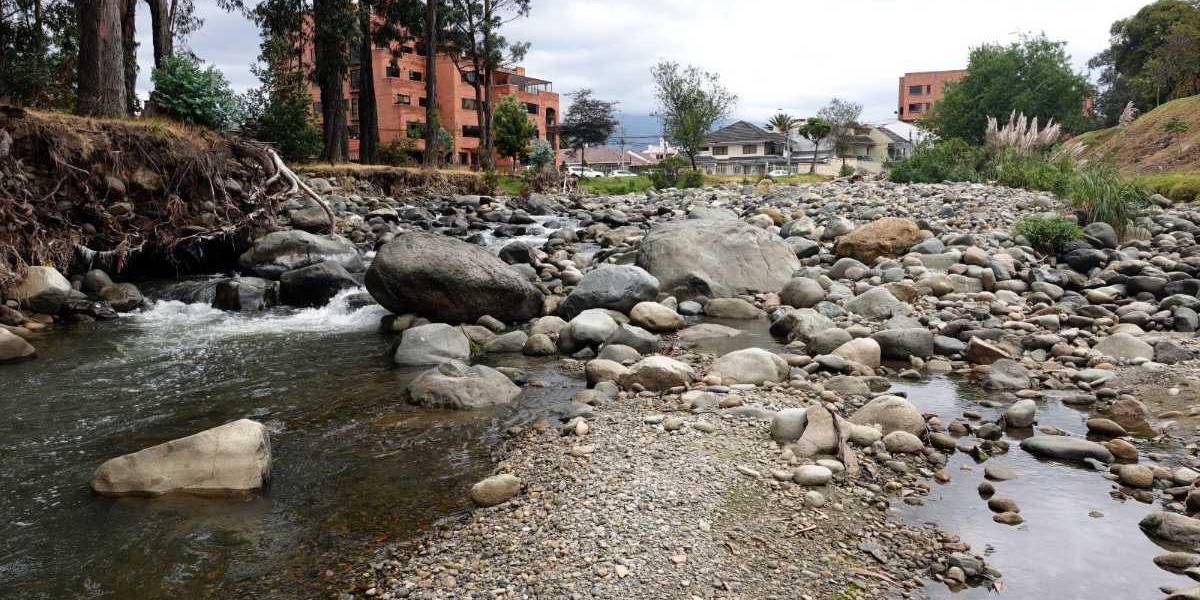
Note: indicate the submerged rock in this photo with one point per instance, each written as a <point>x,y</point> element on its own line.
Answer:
<point>230,458</point>
<point>13,347</point>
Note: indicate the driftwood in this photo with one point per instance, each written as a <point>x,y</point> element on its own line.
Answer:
<point>283,172</point>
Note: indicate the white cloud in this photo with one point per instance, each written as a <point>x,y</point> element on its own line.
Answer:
<point>788,54</point>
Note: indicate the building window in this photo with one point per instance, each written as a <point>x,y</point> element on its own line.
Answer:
<point>422,101</point>
<point>355,79</point>
<point>416,76</point>
<point>771,148</point>
<point>915,108</point>
<point>704,148</point>
<point>393,69</point>
<point>414,129</point>
<point>470,104</point>
<point>471,131</point>
<point>352,130</point>
<point>532,108</point>
<point>403,99</point>
<point>720,150</point>
<point>406,49</point>
<point>749,148</point>
<point>916,90</point>
<point>468,77</point>
<point>420,48</point>
<point>354,109</point>
<point>317,108</point>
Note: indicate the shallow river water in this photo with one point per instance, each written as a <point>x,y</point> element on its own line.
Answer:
<point>1078,541</point>
<point>353,466</point>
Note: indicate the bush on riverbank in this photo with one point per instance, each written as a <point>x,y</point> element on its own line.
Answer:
<point>1048,234</point>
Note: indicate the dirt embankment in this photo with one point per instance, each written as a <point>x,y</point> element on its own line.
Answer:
<point>1164,140</point>
<point>151,197</point>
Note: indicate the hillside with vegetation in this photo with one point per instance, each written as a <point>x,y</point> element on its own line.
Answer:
<point>1164,140</point>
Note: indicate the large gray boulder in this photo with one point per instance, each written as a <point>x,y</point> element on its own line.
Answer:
<point>890,413</point>
<point>875,303</point>
<point>802,292</point>
<point>431,344</point>
<point>617,287</point>
<point>749,365</point>
<point>245,294</point>
<point>447,279</point>
<point>657,373</point>
<point>280,251</point>
<point>716,258</point>
<point>455,385</point>
<point>42,289</point>
<point>1123,346</point>
<point>123,297</point>
<point>899,344</point>
<point>1065,448</point>
<point>1007,374</point>
<point>231,458</point>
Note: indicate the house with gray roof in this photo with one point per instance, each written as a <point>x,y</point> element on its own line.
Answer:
<point>743,148</point>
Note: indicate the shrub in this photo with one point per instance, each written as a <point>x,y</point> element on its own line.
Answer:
<point>674,172</point>
<point>397,153</point>
<point>951,160</point>
<point>1048,234</point>
<point>540,180</point>
<point>1175,125</point>
<point>845,171</point>
<point>184,91</point>
<point>1099,193</point>
<point>1180,187</point>
<point>1185,191</point>
<point>1031,172</point>
<point>541,154</point>
<point>491,180</point>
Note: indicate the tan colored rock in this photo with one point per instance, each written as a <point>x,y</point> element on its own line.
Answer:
<point>13,347</point>
<point>233,457</point>
<point>889,237</point>
<point>496,489</point>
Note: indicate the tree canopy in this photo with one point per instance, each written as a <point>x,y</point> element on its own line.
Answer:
<point>513,129</point>
<point>1032,76</point>
<point>690,103</point>
<point>590,120</point>
<point>1153,56</point>
<point>843,116</point>
<point>815,129</point>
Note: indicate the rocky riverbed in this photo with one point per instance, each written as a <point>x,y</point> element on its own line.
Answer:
<point>740,435</point>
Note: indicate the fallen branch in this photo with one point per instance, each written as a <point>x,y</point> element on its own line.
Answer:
<point>282,170</point>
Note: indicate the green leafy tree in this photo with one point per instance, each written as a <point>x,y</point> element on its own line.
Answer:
<point>513,129</point>
<point>843,116</point>
<point>815,130</point>
<point>588,121</point>
<point>39,51</point>
<point>1031,76</point>
<point>184,90</point>
<point>784,124</point>
<point>1151,58</point>
<point>280,112</point>
<point>541,154</point>
<point>690,103</point>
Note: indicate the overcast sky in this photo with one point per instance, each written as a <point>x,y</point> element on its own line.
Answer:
<point>789,54</point>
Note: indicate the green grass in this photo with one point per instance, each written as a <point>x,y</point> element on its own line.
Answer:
<point>1180,187</point>
<point>615,186</point>
<point>509,185</point>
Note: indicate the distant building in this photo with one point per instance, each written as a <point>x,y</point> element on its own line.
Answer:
<point>606,158</point>
<point>743,148</point>
<point>921,90</point>
<point>399,70</point>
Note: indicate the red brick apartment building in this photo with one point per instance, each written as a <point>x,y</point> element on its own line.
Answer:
<point>400,96</point>
<point>921,90</point>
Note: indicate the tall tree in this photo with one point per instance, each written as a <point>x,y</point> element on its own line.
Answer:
<point>101,58</point>
<point>843,117</point>
<point>815,130</point>
<point>1139,64</point>
<point>1032,76</point>
<point>588,121</point>
<point>130,44</point>
<point>39,42</point>
<point>334,30</point>
<point>368,109</point>
<point>514,130</point>
<point>432,35</point>
<point>784,124</point>
<point>690,103</point>
<point>473,28</point>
